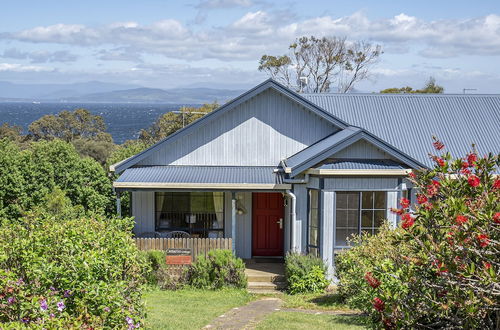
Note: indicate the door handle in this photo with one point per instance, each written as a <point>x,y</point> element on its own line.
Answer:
<point>280,223</point>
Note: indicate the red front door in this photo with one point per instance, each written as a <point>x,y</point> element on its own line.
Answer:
<point>267,224</point>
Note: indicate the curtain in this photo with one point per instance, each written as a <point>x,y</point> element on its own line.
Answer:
<point>219,208</point>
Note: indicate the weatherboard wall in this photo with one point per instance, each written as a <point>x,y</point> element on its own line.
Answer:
<point>261,131</point>
<point>143,208</point>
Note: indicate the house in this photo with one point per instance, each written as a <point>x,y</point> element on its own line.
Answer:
<point>278,171</point>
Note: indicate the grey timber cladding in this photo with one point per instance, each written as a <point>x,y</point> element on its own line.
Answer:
<point>259,132</point>
<point>408,122</point>
<point>202,174</point>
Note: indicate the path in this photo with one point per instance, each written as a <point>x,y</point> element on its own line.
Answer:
<point>247,317</point>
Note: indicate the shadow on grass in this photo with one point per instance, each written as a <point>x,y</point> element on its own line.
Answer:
<point>328,300</point>
<point>351,320</point>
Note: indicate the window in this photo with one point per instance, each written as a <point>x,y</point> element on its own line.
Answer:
<point>358,212</point>
<point>313,238</point>
<point>201,214</point>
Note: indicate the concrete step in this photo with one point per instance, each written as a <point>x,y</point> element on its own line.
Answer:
<point>265,291</point>
<point>266,285</point>
<point>265,278</point>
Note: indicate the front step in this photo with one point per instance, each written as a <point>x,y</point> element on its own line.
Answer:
<point>265,277</point>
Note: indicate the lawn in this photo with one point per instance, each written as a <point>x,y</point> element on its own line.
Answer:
<point>318,301</point>
<point>296,320</point>
<point>189,308</point>
<point>193,309</point>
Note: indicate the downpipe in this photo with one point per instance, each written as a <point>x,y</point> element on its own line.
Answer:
<point>293,216</point>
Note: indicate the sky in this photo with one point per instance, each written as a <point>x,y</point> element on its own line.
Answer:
<point>218,43</point>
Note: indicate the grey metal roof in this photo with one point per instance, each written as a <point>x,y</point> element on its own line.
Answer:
<point>269,83</point>
<point>325,148</point>
<point>202,174</point>
<point>408,121</point>
<point>361,164</point>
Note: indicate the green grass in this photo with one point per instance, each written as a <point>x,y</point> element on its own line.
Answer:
<point>189,308</point>
<point>319,301</point>
<point>296,320</point>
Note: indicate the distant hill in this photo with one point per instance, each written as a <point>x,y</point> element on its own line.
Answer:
<point>39,92</point>
<point>156,95</point>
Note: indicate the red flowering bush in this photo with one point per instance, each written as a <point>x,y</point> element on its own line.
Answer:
<point>446,274</point>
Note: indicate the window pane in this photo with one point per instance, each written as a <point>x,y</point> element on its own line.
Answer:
<point>314,218</point>
<point>342,235</point>
<point>314,251</point>
<point>367,200</point>
<point>380,216</point>
<point>342,219</point>
<point>366,218</point>
<point>353,201</point>
<point>313,236</point>
<point>353,218</point>
<point>380,199</point>
<point>314,198</point>
<point>341,200</point>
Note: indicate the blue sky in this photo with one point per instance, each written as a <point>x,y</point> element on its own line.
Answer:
<point>218,43</point>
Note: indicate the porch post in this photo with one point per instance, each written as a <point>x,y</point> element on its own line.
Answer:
<point>118,204</point>
<point>233,221</point>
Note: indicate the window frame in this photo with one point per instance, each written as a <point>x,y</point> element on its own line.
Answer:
<point>359,210</point>
<point>189,228</point>
<point>309,218</point>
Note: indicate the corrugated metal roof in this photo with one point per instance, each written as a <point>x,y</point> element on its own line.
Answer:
<point>361,164</point>
<point>202,174</point>
<point>408,121</point>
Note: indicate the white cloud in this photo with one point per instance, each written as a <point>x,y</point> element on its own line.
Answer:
<point>259,32</point>
<point>15,67</point>
<point>40,56</point>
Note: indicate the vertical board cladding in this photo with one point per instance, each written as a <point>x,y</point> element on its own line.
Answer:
<point>243,240</point>
<point>361,183</point>
<point>362,150</point>
<point>327,230</point>
<point>300,233</point>
<point>143,208</point>
<point>261,131</point>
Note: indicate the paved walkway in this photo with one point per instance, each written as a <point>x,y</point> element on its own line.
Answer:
<point>247,317</point>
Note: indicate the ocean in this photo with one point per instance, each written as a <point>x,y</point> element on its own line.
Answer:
<point>123,120</point>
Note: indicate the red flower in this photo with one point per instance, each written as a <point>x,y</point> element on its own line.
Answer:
<point>441,267</point>
<point>465,164</point>
<point>483,239</point>
<point>421,199</point>
<point>397,211</point>
<point>496,184</point>
<point>461,219</point>
<point>440,161</point>
<point>408,221</point>
<point>405,202</point>
<point>486,265</point>
<point>436,183</point>
<point>438,145</point>
<point>496,217</point>
<point>372,281</point>
<point>473,181</point>
<point>465,171</point>
<point>471,158</point>
<point>412,175</point>
<point>432,189</point>
<point>378,304</point>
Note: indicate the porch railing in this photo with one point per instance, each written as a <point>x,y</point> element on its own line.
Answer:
<point>198,246</point>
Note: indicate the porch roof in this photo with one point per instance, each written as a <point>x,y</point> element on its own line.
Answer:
<point>202,177</point>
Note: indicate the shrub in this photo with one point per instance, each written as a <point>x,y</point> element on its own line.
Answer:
<point>80,273</point>
<point>305,273</point>
<point>444,273</point>
<point>158,273</point>
<point>221,268</point>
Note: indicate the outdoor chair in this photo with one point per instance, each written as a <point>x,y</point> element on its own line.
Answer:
<point>177,234</point>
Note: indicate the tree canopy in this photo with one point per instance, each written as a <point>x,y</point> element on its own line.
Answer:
<point>430,88</point>
<point>171,122</point>
<point>317,64</point>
